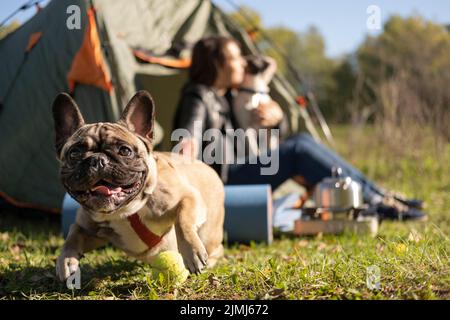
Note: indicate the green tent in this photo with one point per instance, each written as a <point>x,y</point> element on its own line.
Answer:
<point>120,47</point>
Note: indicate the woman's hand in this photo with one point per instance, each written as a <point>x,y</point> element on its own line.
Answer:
<point>268,114</point>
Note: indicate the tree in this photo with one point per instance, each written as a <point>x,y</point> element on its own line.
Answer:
<point>407,70</point>
<point>412,44</point>
<point>344,80</point>
<point>248,19</point>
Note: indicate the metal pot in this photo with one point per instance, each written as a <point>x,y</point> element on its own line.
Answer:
<point>338,193</point>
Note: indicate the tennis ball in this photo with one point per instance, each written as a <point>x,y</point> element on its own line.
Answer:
<point>168,267</point>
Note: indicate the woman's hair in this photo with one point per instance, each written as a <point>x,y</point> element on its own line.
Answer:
<point>207,56</point>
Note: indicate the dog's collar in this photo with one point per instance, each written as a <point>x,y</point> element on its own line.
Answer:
<point>148,237</point>
<point>253,91</point>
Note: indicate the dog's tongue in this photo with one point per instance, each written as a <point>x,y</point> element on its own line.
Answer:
<point>106,191</point>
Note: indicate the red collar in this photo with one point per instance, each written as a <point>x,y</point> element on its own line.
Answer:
<point>148,237</point>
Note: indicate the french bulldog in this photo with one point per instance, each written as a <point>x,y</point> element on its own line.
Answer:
<point>141,201</point>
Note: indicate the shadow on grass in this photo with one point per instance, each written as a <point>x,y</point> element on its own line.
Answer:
<point>100,273</point>
<point>113,277</point>
<point>28,221</point>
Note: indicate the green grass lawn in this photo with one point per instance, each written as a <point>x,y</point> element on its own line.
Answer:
<point>413,258</point>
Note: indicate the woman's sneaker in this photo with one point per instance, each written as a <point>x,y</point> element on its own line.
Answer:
<point>391,208</point>
<point>389,212</point>
<point>412,203</point>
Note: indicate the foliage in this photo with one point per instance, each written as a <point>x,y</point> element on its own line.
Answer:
<point>406,70</point>
<point>412,52</point>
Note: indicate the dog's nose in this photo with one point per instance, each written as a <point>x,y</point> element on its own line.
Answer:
<point>98,162</point>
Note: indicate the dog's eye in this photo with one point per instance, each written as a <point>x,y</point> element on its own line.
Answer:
<point>125,151</point>
<point>74,153</point>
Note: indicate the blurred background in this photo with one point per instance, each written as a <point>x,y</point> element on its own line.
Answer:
<point>395,77</point>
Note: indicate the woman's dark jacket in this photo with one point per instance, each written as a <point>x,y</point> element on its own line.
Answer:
<point>202,103</point>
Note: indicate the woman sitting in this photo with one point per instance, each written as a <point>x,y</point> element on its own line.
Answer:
<point>218,68</point>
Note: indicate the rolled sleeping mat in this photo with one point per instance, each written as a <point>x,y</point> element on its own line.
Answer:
<point>68,213</point>
<point>248,213</point>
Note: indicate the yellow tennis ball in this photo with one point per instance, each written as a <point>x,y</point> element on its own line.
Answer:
<point>170,265</point>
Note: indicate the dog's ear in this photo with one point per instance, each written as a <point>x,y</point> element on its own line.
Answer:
<point>67,118</point>
<point>139,114</point>
<point>264,65</point>
<point>256,64</point>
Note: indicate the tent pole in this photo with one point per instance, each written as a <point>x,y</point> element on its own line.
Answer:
<point>25,6</point>
<point>108,55</point>
<point>323,124</point>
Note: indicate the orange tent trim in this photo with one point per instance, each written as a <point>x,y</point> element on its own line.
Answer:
<point>88,66</point>
<point>253,34</point>
<point>173,63</point>
<point>24,205</point>
<point>33,40</point>
<point>301,101</point>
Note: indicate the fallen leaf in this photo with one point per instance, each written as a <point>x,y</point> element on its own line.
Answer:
<point>213,280</point>
<point>287,258</point>
<point>414,236</point>
<point>266,272</point>
<point>169,296</point>
<point>337,248</point>
<point>4,236</point>
<point>303,243</point>
<point>15,251</point>
<point>273,294</point>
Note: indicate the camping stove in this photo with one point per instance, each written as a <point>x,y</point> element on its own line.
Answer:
<point>325,214</point>
<point>335,221</point>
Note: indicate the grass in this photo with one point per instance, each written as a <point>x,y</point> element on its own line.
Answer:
<point>413,258</point>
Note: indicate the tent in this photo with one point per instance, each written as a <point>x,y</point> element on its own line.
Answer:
<point>117,48</point>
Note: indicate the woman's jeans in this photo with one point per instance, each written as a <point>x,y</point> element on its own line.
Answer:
<point>302,156</point>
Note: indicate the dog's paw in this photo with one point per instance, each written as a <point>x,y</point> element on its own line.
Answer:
<point>195,260</point>
<point>66,266</point>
